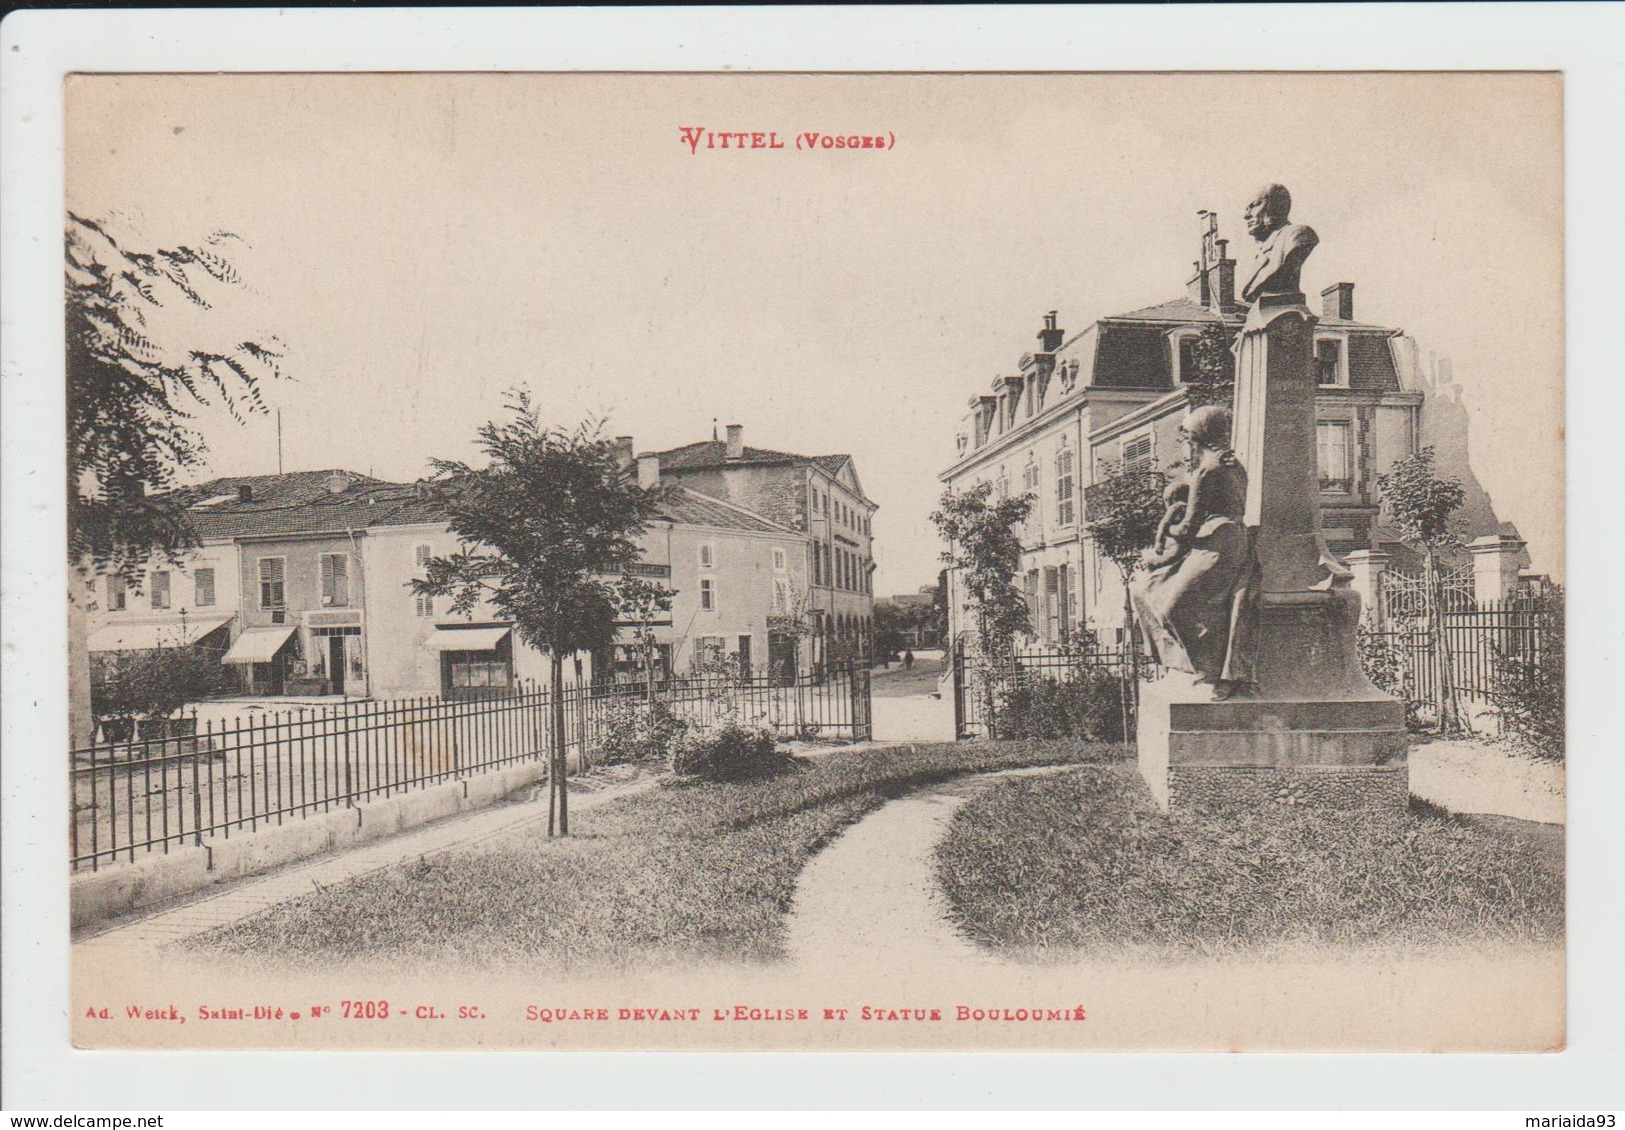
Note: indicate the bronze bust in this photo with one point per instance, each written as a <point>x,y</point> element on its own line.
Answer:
<point>1283,247</point>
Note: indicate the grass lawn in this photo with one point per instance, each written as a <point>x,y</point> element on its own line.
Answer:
<point>1083,860</point>
<point>693,872</point>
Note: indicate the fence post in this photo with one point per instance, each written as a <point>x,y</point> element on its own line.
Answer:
<point>197,804</point>
<point>858,703</point>
<point>957,658</point>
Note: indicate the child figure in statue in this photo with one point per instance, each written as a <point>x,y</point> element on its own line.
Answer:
<point>1197,601</point>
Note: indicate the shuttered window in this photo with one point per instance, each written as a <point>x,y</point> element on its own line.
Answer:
<point>203,587</point>
<point>115,594</point>
<point>424,604</point>
<point>1064,508</point>
<point>1137,453</point>
<point>273,589</point>
<point>335,579</point>
<point>160,590</point>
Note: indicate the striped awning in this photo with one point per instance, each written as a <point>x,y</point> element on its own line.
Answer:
<point>150,634</point>
<point>259,645</point>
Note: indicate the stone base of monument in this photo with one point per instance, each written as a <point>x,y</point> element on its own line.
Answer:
<point>1314,732</point>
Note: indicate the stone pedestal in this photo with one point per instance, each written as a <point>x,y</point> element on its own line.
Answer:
<point>1314,730</point>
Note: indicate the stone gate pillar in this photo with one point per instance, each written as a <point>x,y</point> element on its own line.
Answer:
<point>1495,567</point>
<point>1368,567</point>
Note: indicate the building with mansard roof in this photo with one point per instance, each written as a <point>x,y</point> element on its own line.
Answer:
<point>1111,396</point>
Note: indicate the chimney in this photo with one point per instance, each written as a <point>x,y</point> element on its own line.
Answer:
<point>337,482</point>
<point>1213,279</point>
<point>245,493</point>
<point>623,452</point>
<point>648,471</point>
<point>736,441</point>
<point>1196,287</point>
<point>1224,281</point>
<point>1337,301</point>
<point>1050,337</point>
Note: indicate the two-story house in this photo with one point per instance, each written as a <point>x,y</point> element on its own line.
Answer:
<point>1111,397</point>
<point>818,497</point>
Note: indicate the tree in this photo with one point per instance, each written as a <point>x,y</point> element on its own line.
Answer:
<point>131,386</point>
<point>142,352</point>
<point>892,623</point>
<point>641,602</point>
<point>546,528</point>
<point>1211,378</point>
<point>984,544</point>
<point>1124,508</point>
<point>936,621</point>
<point>1420,505</point>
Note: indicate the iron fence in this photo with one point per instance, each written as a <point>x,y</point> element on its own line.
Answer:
<point>180,783</point>
<point>982,687</point>
<point>1488,645</point>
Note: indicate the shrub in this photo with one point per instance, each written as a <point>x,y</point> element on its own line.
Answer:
<point>1385,665</point>
<point>1529,686</point>
<point>729,752</point>
<point>154,682</point>
<point>631,729</point>
<point>1089,706</point>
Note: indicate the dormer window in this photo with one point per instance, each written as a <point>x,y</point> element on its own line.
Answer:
<point>1182,354</point>
<point>1331,363</point>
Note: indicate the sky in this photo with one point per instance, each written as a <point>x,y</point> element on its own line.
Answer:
<point>422,243</point>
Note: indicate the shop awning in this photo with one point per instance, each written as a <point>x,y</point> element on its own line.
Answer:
<point>151,634</point>
<point>258,645</point>
<point>467,639</point>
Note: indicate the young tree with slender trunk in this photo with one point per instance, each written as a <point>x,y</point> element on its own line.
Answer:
<point>547,526</point>
<point>984,544</point>
<point>1420,504</point>
<point>1124,509</point>
<point>642,602</point>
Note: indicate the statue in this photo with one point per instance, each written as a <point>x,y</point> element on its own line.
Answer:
<point>1283,247</point>
<point>1197,601</point>
<point>1273,290</point>
<point>1243,597</point>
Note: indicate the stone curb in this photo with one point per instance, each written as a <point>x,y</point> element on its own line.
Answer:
<point>126,887</point>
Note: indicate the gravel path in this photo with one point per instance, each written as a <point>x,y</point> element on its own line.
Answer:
<point>870,898</point>
<point>1479,777</point>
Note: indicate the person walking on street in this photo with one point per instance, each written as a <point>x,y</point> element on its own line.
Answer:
<point>908,659</point>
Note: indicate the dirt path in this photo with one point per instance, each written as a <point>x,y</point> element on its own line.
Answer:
<point>870,898</point>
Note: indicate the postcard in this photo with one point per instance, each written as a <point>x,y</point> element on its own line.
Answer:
<point>812,561</point>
